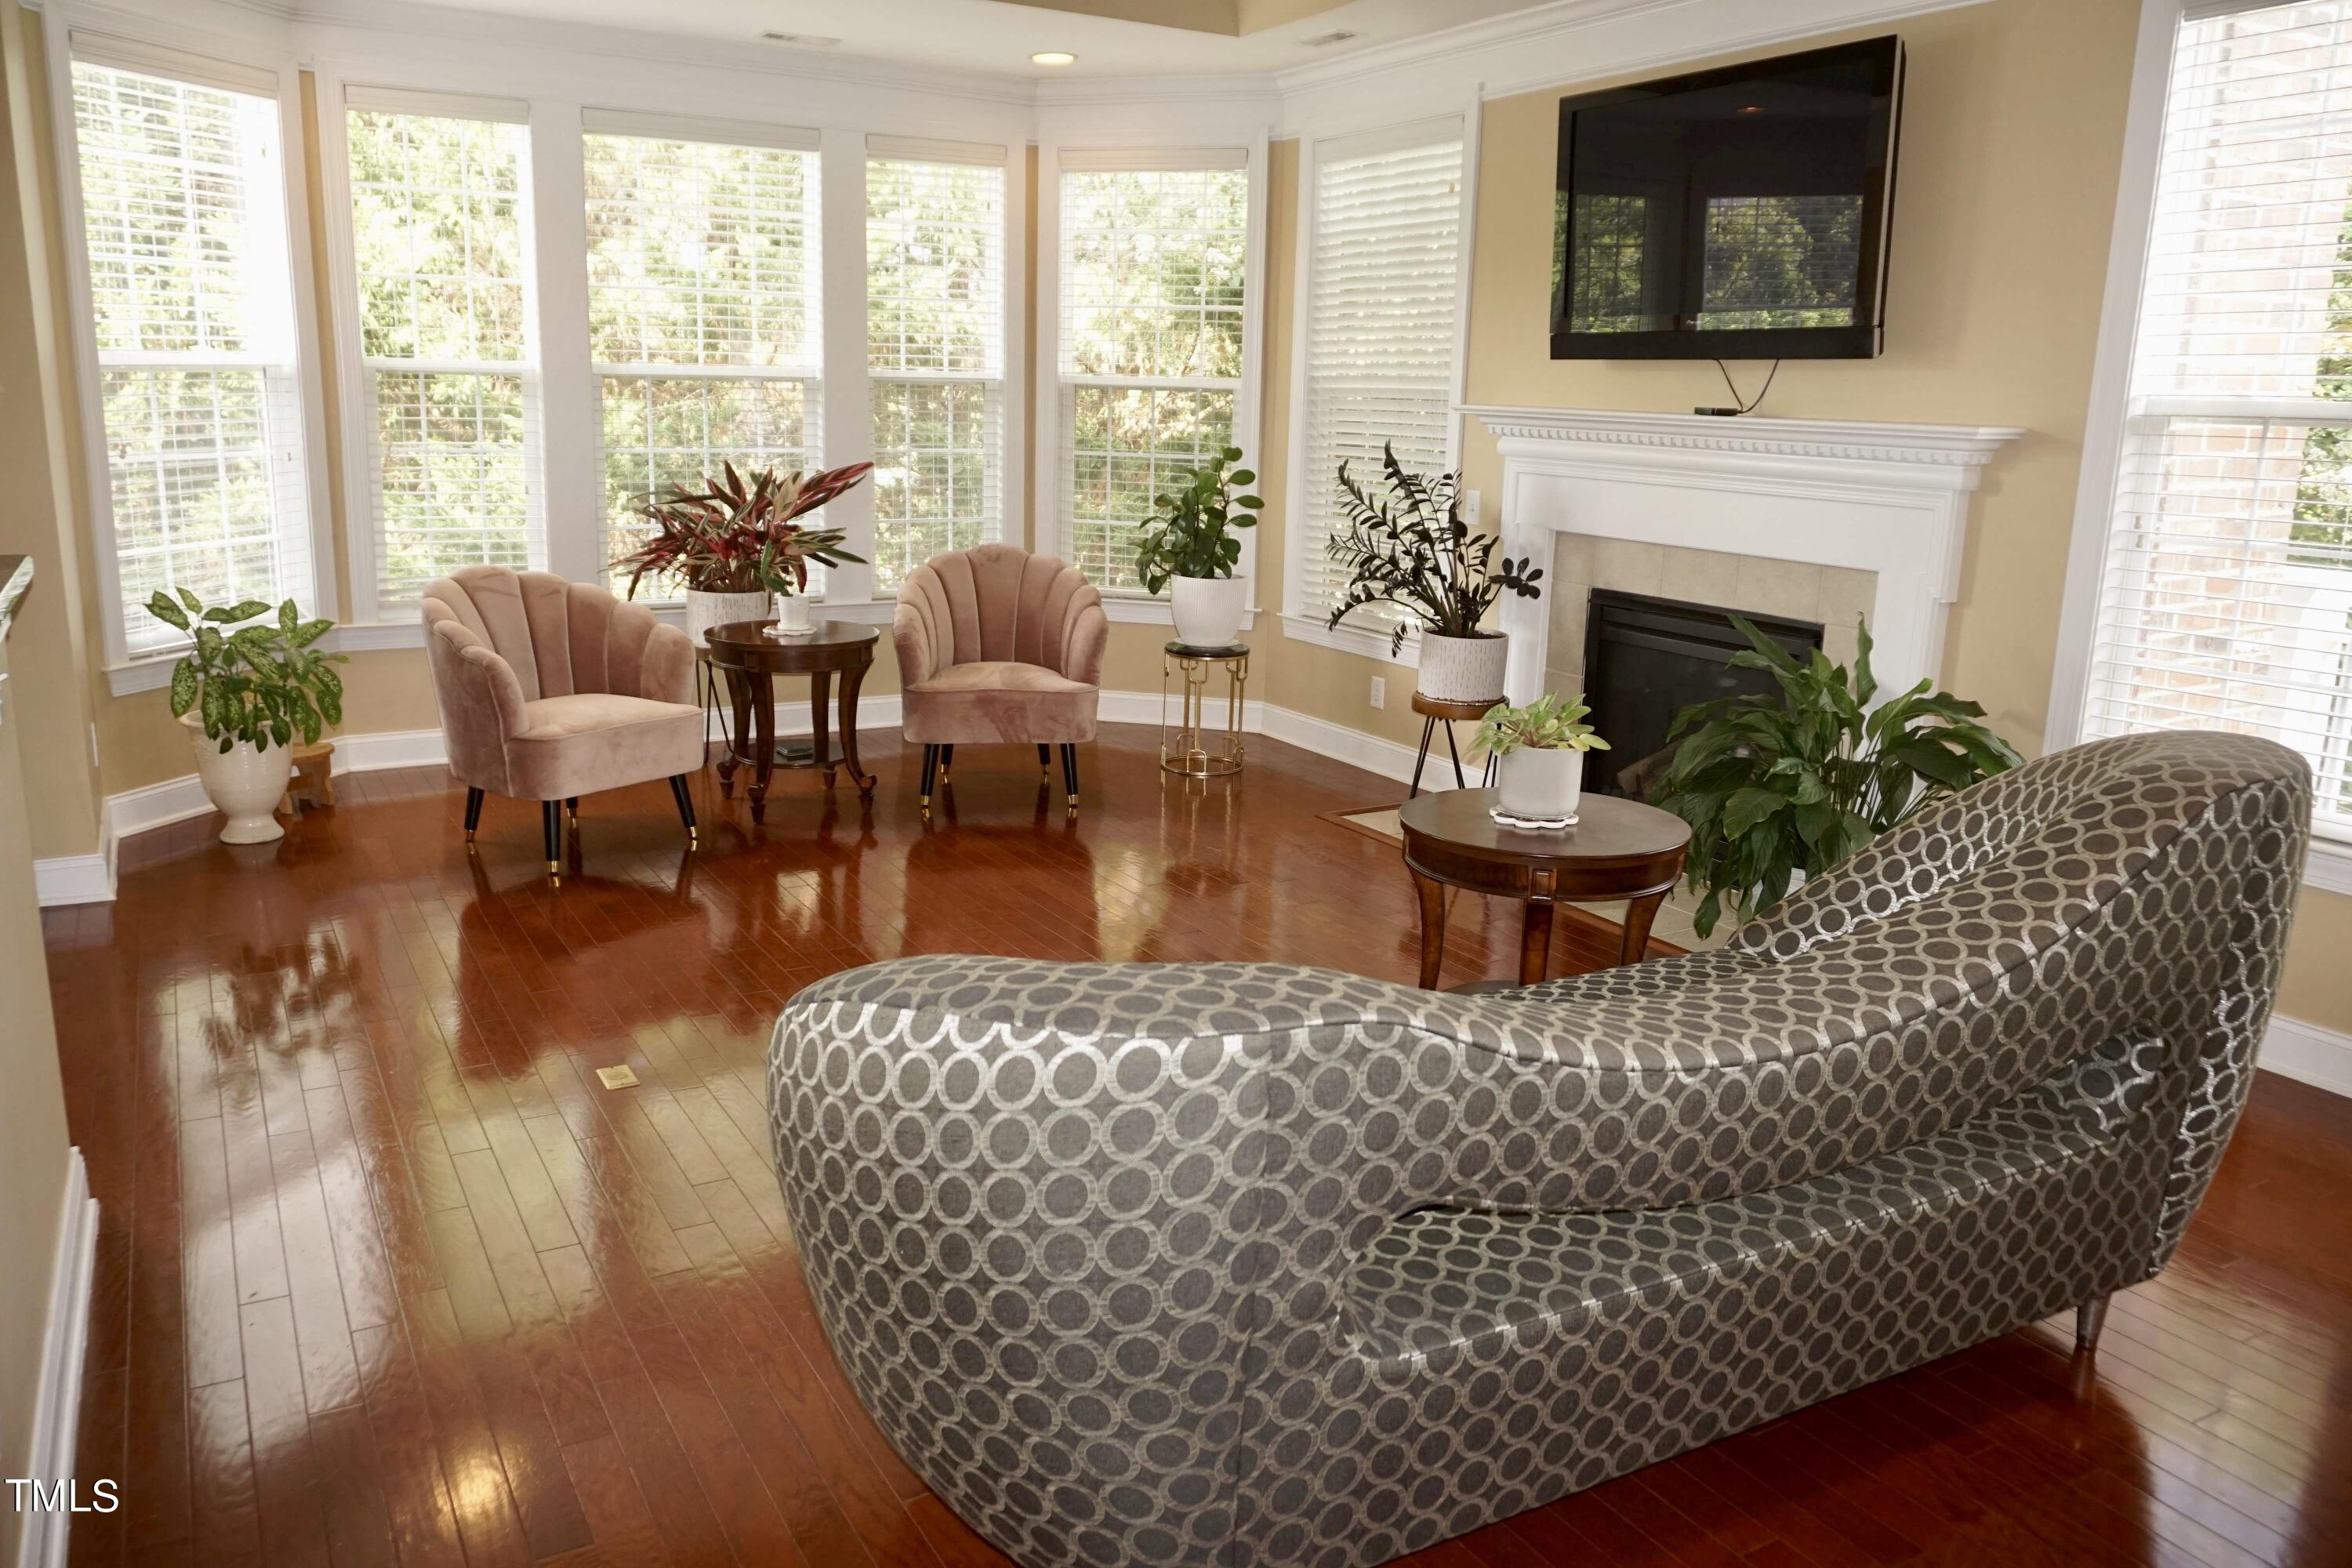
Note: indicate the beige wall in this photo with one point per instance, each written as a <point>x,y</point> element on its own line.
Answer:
<point>36,695</point>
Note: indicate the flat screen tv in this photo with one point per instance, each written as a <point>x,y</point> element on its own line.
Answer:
<point>1732,213</point>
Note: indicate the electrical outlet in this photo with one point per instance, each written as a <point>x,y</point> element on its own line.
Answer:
<point>618,1078</point>
<point>1379,692</point>
<point>1470,508</point>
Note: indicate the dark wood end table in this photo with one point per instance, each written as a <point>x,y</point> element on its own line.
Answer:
<point>1618,849</point>
<point>751,661</point>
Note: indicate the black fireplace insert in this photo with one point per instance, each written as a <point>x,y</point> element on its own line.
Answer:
<point>1646,660</point>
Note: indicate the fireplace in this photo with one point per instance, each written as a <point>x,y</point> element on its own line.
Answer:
<point>1647,659</point>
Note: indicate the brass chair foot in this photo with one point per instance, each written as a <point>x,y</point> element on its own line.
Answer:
<point>693,839</point>
<point>926,809</point>
<point>469,835</point>
<point>1073,803</point>
<point>943,776</point>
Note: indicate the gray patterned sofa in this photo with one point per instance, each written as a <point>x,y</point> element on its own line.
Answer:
<point>1247,1264</point>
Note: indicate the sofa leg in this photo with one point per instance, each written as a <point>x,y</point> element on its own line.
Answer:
<point>1070,774</point>
<point>550,816</point>
<point>947,762</point>
<point>677,787</point>
<point>473,812</point>
<point>1045,759</point>
<point>931,775</point>
<point>2089,1319</point>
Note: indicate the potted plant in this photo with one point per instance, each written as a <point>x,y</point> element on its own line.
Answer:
<point>1411,549</point>
<point>1780,786</point>
<point>1539,751</point>
<point>714,540</point>
<point>1190,546</point>
<point>246,694</point>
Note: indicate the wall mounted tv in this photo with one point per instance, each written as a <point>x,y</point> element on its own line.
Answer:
<point>1733,213</point>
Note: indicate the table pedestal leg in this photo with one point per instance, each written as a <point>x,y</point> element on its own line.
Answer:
<point>1639,914</point>
<point>739,697</point>
<point>851,679</point>
<point>1534,941</point>
<point>763,733</point>
<point>1433,927</point>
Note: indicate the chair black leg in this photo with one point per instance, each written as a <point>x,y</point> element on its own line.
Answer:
<point>947,762</point>
<point>473,812</point>
<point>1044,757</point>
<point>677,787</point>
<point>931,775</point>
<point>1070,774</point>
<point>551,816</point>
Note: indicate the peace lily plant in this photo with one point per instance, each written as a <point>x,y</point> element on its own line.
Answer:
<point>246,689</point>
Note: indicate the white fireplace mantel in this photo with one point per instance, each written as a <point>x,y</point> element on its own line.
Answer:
<point>1887,498</point>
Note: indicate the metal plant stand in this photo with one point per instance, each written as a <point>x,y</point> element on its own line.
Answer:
<point>1186,747</point>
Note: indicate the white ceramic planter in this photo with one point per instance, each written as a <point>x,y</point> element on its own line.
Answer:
<point>1542,783</point>
<point>703,611</point>
<point>245,784</point>
<point>1208,610</point>
<point>1463,669</point>
<point>793,615</point>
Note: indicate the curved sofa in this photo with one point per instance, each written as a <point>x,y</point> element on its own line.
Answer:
<point>1250,1264</point>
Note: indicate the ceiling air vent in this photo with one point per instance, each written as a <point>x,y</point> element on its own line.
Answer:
<point>1324,40</point>
<point>800,40</point>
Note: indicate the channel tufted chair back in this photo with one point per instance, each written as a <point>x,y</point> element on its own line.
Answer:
<point>1251,1264</point>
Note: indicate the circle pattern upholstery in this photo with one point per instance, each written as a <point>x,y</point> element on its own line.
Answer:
<point>1253,1263</point>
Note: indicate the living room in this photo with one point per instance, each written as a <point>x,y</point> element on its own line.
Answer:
<point>1138,941</point>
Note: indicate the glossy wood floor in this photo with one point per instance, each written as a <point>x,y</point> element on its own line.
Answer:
<point>386,1277</point>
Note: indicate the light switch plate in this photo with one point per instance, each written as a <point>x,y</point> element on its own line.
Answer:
<point>618,1078</point>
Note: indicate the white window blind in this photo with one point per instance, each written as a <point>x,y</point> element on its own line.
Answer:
<point>2226,598</point>
<point>1382,309</point>
<point>183,196</point>
<point>441,245</point>
<point>1150,358</point>
<point>935,338</point>
<point>703,300</point>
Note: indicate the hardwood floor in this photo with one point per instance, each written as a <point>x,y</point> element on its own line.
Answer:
<point>386,1276</point>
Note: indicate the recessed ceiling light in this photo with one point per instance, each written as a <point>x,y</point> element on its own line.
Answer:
<point>801,40</point>
<point>1052,58</point>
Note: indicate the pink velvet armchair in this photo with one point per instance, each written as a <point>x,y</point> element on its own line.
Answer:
<point>549,691</point>
<point>998,646</point>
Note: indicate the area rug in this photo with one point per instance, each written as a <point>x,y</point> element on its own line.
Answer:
<point>1378,822</point>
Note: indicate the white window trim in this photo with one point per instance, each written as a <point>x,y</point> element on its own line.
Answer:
<point>1054,156</point>
<point>238,67</point>
<point>1365,639</point>
<point>2329,863</point>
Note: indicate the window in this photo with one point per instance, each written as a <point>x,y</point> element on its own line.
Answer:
<point>1150,353</point>
<point>703,289</point>
<point>935,337</point>
<point>1379,327</point>
<point>183,221</point>
<point>441,245</point>
<point>2226,596</point>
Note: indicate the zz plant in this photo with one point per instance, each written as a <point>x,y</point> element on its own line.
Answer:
<point>263,681</point>
<point>1192,530</point>
<point>1411,549</point>
<point>1774,783</point>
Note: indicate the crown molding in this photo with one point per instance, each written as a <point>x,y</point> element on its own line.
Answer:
<point>1255,89</point>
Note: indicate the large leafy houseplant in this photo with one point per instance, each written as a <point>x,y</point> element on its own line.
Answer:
<point>1411,549</point>
<point>1777,782</point>
<point>737,534</point>
<point>1191,533</point>
<point>262,683</point>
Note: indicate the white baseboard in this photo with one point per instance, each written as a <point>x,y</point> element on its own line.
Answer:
<point>1387,758</point>
<point>76,879</point>
<point>57,1409</point>
<point>2308,1054</point>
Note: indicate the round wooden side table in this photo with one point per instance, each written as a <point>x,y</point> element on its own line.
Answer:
<point>751,661</point>
<point>1618,849</point>
<point>1185,748</point>
<point>1434,711</point>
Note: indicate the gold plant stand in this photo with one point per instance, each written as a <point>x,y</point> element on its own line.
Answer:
<point>1186,747</point>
